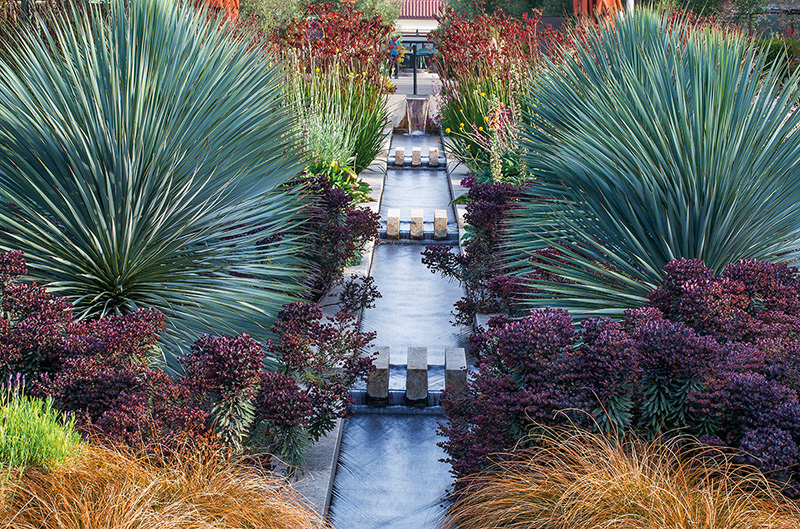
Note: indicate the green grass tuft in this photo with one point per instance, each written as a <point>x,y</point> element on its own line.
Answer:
<point>32,433</point>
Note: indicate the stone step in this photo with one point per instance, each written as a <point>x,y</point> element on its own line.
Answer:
<point>417,224</point>
<point>433,159</point>
<point>416,390</point>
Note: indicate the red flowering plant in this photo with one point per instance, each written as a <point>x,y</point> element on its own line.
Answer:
<point>327,35</point>
<point>484,64</point>
<point>336,58</point>
<point>32,322</point>
<point>100,371</point>
<point>103,373</point>
<point>341,230</point>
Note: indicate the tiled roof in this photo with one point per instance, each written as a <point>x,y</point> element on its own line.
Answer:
<point>421,8</point>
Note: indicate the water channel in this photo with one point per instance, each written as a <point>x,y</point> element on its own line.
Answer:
<point>390,474</point>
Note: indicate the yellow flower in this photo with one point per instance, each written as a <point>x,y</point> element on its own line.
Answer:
<point>461,125</point>
<point>447,130</point>
<point>480,128</point>
<point>437,150</point>
<point>483,94</point>
<point>485,118</point>
<point>317,70</point>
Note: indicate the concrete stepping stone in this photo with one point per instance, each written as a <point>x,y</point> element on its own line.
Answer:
<point>417,376</point>
<point>455,369</point>
<point>433,157</point>
<point>416,157</point>
<point>378,382</point>
<point>440,224</point>
<point>417,224</point>
<point>393,224</point>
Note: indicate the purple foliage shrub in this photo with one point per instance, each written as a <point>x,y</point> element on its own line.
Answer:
<point>224,375</point>
<point>102,371</point>
<point>32,321</point>
<point>103,376</point>
<point>339,230</point>
<point>714,356</point>
<point>478,269</point>
<point>320,361</point>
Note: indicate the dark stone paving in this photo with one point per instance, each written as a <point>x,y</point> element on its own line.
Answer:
<point>389,474</point>
<point>415,310</point>
<point>425,189</point>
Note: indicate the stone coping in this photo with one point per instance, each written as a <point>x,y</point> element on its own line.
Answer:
<point>315,484</point>
<point>456,171</point>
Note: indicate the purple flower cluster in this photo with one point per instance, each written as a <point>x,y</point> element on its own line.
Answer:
<point>714,356</point>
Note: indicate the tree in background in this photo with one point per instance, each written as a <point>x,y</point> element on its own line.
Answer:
<point>744,13</point>
<point>512,8</point>
<point>277,13</point>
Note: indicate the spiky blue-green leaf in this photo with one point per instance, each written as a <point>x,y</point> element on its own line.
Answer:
<point>143,157</point>
<point>655,140</point>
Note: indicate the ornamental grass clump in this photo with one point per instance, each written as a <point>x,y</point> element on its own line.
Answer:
<point>32,432</point>
<point>143,155</point>
<point>336,61</point>
<point>656,138</point>
<point>340,123</point>
<point>199,487</point>
<point>578,480</point>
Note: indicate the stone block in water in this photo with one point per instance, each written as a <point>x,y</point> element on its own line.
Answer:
<point>416,156</point>
<point>378,382</point>
<point>433,157</point>
<point>393,224</point>
<point>417,224</point>
<point>440,224</point>
<point>400,156</point>
<point>455,369</point>
<point>417,376</point>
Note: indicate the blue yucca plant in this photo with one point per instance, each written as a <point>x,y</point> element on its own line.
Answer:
<point>656,139</point>
<point>144,152</point>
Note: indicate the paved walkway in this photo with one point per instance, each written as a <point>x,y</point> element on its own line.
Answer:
<point>390,475</point>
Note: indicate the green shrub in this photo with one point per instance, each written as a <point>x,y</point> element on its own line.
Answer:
<point>784,52</point>
<point>144,151</point>
<point>32,432</point>
<point>658,138</point>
